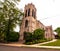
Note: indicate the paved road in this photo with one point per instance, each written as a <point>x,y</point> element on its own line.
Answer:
<point>9,48</point>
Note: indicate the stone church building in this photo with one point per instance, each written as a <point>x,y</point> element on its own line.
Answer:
<point>30,23</point>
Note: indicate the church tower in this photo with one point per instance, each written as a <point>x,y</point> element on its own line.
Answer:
<point>28,21</point>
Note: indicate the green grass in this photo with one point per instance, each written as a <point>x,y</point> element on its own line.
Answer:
<point>56,43</point>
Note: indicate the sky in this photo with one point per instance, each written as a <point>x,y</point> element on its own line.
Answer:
<point>48,11</point>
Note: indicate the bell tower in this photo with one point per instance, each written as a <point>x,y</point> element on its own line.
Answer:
<point>28,21</point>
<point>30,11</point>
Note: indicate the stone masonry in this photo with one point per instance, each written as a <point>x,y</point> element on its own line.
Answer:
<point>30,23</point>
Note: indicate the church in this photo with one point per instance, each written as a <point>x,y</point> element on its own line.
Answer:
<point>30,23</point>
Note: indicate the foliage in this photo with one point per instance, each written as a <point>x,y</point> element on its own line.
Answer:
<point>10,15</point>
<point>2,37</point>
<point>36,41</point>
<point>35,37</point>
<point>38,34</point>
<point>13,36</point>
<point>28,36</point>
<point>58,31</point>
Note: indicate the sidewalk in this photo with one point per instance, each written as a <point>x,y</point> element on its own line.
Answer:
<point>35,46</point>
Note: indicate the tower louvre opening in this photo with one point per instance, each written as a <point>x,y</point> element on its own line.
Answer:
<point>29,12</point>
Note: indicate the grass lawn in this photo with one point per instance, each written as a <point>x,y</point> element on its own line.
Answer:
<point>56,43</point>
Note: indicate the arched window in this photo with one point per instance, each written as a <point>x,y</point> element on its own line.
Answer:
<point>29,12</point>
<point>26,23</point>
<point>33,13</point>
<point>26,13</point>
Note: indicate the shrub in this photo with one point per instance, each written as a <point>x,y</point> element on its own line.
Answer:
<point>28,36</point>
<point>38,34</point>
<point>2,37</point>
<point>36,37</point>
<point>13,36</point>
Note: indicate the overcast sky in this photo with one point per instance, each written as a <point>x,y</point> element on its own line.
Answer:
<point>48,11</point>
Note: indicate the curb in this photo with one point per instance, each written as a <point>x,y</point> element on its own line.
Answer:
<point>31,46</point>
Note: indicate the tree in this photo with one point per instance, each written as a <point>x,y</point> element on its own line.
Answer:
<point>58,31</point>
<point>38,34</point>
<point>13,36</point>
<point>34,37</point>
<point>10,15</point>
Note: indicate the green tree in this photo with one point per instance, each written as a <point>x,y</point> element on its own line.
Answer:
<point>10,15</point>
<point>34,37</point>
<point>58,31</point>
<point>38,34</point>
<point>14,36</point>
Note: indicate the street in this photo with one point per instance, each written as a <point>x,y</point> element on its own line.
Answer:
<point>10,48</point>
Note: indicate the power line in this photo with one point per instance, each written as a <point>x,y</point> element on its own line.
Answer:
<point>49,17</point>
